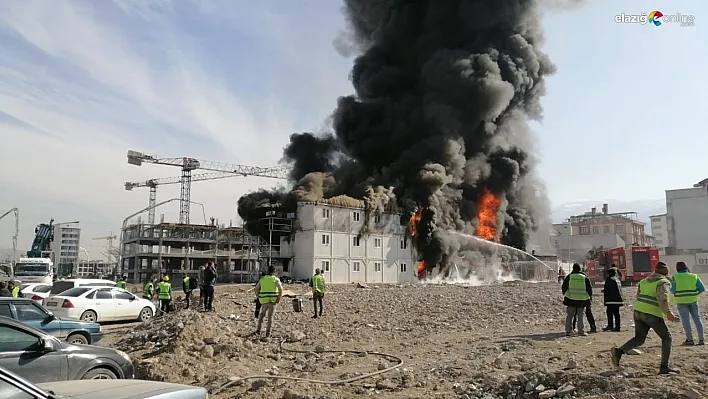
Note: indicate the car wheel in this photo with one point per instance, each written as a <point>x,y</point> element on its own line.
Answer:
<point>145,314</point>
<point>89,316</point>
<point>100,374</point>
<point>77,339</point>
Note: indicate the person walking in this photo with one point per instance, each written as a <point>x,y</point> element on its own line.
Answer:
<point>269,291</point>
<point>187,288</point>
<point>317,282</point>
<point>614,300</point>
<point>148,289</point>
<point>577,292</point>
<point>208,286</point>
<point>686,287</point>
<point>651,310</point>
<point>561,275</point>
<point>164,292</point>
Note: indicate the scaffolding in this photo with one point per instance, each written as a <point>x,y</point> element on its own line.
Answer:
<point>174,249</point>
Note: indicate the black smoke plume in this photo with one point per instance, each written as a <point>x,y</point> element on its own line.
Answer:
<point>443,92</point>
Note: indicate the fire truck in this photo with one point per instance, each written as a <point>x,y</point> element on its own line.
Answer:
<point>637,263</point>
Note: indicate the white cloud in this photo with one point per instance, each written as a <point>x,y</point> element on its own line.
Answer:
<point>80,85</point>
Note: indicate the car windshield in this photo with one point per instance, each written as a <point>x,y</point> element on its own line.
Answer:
<point>31,269</point>
<point>78,291</point>
<point>61,286</point>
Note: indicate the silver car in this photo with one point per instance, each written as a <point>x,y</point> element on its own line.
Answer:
<point>13,386</point>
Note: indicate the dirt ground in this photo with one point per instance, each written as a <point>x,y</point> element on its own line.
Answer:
<point>487,342</point>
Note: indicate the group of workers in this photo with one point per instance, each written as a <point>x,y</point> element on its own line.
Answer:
<point>651,308</point>
<point>9,289</point>
<point>269,291</point>
<point>163,293</point>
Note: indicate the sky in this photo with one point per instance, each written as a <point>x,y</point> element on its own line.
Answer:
<point>82,82</point>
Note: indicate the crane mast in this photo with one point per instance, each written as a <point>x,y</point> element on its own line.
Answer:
<point>16,211</point>
<point>188,165</point>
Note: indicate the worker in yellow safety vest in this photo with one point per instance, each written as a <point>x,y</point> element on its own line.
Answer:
<point>269,290</point>
<point>15,290</point>
<point>164,292</point>
<point>317,282</point>
<point>123,282</point>
<point>686,287</point>
<point>650,311</point>
<point>187,288</point>
<point>148,289</point>
<point>577,292</point>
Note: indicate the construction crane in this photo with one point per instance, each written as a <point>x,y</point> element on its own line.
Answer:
<point>109,243</point>
<point>190,164</point>
<point>17,231</point>
<point>153,183</point>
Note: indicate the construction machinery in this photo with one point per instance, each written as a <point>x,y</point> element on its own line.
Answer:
<point>634,264</point>
<point>38,267</point>
<point>6,269</point>
<point>188,165</point>
<point>154,183</point>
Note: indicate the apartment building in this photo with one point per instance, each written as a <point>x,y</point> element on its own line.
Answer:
<point>66,248</point>
<point>686,219</point>
<point>660,231</point>
<point>348,247</point>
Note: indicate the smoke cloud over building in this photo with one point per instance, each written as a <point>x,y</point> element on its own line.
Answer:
<point>438,125</point>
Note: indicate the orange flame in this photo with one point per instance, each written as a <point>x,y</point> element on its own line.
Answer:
<point>413,222</point>
<point>421,270</point>
<point>487,215</point>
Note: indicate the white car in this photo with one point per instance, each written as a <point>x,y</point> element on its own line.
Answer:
<point>99,304</point>
<point>60,286</point>
<point>36,291</point>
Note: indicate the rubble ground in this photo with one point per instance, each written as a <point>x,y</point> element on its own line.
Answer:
<point>487,342</point>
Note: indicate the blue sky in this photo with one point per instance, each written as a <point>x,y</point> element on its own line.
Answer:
<point>83,81</point>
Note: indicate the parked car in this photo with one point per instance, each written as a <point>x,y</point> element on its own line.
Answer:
<point>12,386</point>
<point>35,315</point>
<point>36,291</point>
<point>60,286</point>
<point>99,304</point>
<point>40,357</point>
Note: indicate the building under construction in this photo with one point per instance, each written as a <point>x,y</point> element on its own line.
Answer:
<point>173,249</point>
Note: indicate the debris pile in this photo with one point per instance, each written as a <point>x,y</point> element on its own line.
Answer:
<point>487,342</point>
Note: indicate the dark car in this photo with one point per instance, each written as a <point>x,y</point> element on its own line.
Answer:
<point>35,315</point>
<point>40,357</point>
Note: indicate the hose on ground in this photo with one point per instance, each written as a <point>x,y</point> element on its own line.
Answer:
<point>235,380</point>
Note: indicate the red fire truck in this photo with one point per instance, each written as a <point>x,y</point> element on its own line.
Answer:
<point>634,265</point>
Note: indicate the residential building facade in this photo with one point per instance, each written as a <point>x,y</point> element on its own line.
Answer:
<point>348,247</point>
<point>66,248</point>
<point>660,231</point>
<point>687,218</point>
<point>95,268</point>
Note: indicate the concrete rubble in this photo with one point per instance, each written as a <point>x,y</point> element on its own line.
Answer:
<point>488,342</point>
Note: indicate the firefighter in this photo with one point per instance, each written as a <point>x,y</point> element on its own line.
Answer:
<point>123,282</point>
<point>317,282</point>
<point>187,288</point>
<point>148,289</point>
<point>686,287</point>
<point>164,291</point>
<point>651,310</point>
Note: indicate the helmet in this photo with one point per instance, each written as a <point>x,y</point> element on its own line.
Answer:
<point>166,278</point>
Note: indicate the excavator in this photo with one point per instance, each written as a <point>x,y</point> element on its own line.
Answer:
<point>37,266</point>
